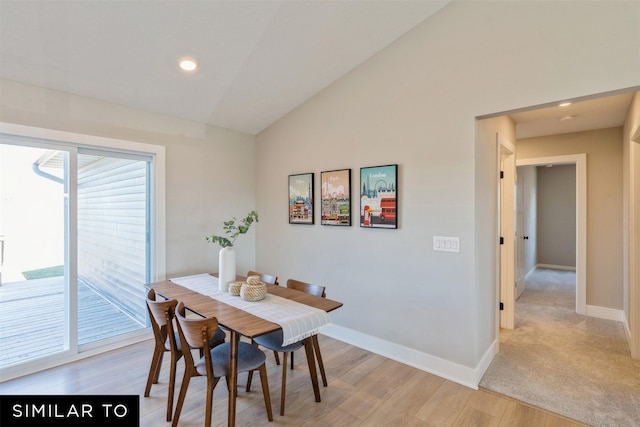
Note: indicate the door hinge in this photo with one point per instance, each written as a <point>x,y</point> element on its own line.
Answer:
<point>501,240</point>
<point>501,306</point>
<point>501,174</point>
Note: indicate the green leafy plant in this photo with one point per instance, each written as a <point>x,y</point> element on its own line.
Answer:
<point>233,228</point>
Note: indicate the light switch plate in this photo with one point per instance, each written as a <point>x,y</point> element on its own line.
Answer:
<point>446,244</point>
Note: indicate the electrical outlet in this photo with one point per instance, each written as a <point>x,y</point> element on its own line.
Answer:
<point>446,244</point>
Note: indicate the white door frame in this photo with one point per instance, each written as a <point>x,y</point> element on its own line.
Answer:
<point>506,231</point>
<point>580,160</point>
<point>633,326</point>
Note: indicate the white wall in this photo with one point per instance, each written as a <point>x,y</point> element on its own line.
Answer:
<point>556,215</point>
<point>489,134</point>
<point>209,171</point>
<point>414,104</point>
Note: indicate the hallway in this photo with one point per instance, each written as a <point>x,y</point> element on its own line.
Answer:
<point>570,364</point>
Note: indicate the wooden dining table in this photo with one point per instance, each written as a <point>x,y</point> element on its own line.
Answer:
<point>241,323</point>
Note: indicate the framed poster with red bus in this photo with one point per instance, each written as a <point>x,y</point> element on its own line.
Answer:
<point>379,196</point>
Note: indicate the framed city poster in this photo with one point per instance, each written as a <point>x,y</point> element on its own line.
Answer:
<point>336,197</point>
<point>378,197</point>
<point>301,198</point>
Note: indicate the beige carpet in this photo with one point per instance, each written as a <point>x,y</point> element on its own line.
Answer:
<point>573,365</point>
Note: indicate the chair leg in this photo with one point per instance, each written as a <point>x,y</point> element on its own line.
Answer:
<point>158,366</point>
<point>249,378</point>
<point>211,385</point>
<point>265,390</point>
<point>154,369</point>
<point>181,396</point>
<point>316,348</point>
<point>292,360</point>
<point>284,382</point>
<point>172,384</point>
<point>275,356</point>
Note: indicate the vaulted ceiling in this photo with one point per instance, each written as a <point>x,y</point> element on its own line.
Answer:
<point>258,60</point>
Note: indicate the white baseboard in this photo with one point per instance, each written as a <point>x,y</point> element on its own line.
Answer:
<point>605,313</point>
<point>482,367</point>
<point>627,331</point>
<point>464,375</point>
<point>557,267</point>
<point>531,271</point>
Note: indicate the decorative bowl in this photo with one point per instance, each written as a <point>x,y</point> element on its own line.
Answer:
<point>234,288</point>
<point>249,292</point>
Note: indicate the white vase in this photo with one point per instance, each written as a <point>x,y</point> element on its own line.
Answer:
<point>226,268</point>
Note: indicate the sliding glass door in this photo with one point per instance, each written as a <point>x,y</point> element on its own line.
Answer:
<point>75,247</point>
<point>34,283</point>
<point>113,243</point>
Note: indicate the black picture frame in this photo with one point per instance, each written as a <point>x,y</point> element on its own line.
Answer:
<point>379,196</point>
<point>301,198</point>
<point>335,197</point>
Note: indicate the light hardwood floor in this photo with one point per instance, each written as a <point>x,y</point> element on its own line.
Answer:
<point>364,389</point>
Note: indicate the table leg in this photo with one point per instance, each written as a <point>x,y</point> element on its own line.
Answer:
<point>308,348</point>
<point>233,378</point>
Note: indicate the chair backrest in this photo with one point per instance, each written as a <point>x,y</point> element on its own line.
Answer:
<point>316,290</point>
<point>161,314</point>
<point>266,278</point>
<point>196,334</point>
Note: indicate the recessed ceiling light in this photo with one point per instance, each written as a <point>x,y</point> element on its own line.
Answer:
<point>564,104</point>
<point>568,117</point>
<point>188,64</point>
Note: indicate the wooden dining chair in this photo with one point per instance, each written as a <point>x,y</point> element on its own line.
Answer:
<point>273,341</point>
<point>319,291</point>
<point>266,278</point>
<point>214,364</point>
<point>161,315</point>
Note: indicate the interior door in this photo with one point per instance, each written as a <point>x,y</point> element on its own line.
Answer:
<point>520,235</point>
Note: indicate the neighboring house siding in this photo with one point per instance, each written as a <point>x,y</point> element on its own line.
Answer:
<point>112,229</point>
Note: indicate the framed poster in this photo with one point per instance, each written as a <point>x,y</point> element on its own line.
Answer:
<point>378,197</point>
<point>301,198</point>
<point>336,197</point>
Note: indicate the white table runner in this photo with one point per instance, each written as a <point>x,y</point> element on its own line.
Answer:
<point>298,321</point>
